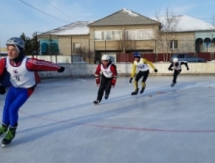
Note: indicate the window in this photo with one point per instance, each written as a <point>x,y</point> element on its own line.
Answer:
<point>116,35</point>
<point>132,35</point>
<point>98,35</point>
<point>76,47</point>
<point>173,44</point>
<point>149,34</point>
<point>108,35</point>
<point>181,56</point>
<point>136,34</point>
<point>140,34</point>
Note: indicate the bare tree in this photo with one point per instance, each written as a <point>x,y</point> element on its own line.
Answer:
<point>213,20</point>
<point>85,54</point>
<point>167,33</point>
<point>126,43</point>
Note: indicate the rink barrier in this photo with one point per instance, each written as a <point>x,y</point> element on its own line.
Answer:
<point>87,70</point>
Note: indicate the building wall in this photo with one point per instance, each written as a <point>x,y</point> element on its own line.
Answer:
<point>186,42</point>
<point>65,45</point>
<point>111,45</point>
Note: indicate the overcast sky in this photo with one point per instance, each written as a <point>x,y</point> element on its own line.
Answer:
<point>29,16</point>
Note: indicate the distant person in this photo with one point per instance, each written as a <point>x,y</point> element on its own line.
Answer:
<point>142,65</point>
<point>108,78</point>
<point>22,79</point>
<point>176,66</point>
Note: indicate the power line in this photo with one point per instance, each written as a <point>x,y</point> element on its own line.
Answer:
<point>43,12</point>
<point>59,10</point>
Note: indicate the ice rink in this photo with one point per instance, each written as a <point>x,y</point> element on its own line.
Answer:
<point>60,124</point>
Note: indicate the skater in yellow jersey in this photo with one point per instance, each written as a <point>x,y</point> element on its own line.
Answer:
<point>142,65</point>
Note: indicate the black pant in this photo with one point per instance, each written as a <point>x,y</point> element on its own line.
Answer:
<point>145,75</point>
<point>105,85</point>
<point>175,75</point>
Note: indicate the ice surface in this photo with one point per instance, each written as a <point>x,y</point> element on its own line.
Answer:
<point>59,123</point>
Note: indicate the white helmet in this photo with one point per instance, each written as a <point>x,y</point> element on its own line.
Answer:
<point>18,42</point>
<point>175,59</point>
<point>105,57</point>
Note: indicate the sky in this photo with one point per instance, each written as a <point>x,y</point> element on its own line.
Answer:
<point>30,16</point>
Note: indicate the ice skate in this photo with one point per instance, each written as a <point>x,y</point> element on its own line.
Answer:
<point>142,90</point>
<point>106,96</point>
<point>96,102</point>
<point>9,137</point>
<point>172,85</point>
<point>135,92</point>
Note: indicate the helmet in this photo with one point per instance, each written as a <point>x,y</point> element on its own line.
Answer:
<point>105,57</point>
<point>18,42</point>
<point>175,59</point>
<point>136,55</point>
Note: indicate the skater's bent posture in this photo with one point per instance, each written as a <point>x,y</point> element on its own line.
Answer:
<point>21,70</point>
<point>108,77</point>
<point>176,66</point>
<point>142,65</point>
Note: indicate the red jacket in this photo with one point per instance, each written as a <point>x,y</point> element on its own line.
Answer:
<point>32,64</point>
<point>113,70</point>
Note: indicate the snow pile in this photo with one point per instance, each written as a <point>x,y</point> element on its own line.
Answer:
<point>130,12</point>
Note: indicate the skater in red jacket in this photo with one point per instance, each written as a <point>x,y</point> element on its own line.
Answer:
<point>108,77</point>
<point>21,70</point>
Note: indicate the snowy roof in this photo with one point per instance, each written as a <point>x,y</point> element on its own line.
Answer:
<point>187,23</point>
<point>128,17</point>
<point>76,28</point>
<point>124,17</point>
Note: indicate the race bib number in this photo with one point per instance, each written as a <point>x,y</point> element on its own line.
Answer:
<point>141,66</point>
<point>17,78</point>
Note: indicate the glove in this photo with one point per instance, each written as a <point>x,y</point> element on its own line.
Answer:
<point>2,90</point>
<point>170,69</point>
<point>187,68</point>
<point>155,70</point>
<point>130,81</point>
<point>61,69</point>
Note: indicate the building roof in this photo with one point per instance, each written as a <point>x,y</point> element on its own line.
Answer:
<point>128,17</point>
<point>76,28</point>
<point>124,17</point>
<point>186,23</point>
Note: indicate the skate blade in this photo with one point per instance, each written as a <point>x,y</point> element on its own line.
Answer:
<point>3,145</point>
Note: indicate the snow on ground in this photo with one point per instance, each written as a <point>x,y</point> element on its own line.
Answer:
<point>59,123</point>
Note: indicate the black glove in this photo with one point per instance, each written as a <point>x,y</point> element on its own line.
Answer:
<point>187,68</point>
<point>2,90</point>
<point>130,81</point>
<point>61,69</point>
<point>155,70</point>
<point>170,69</point>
